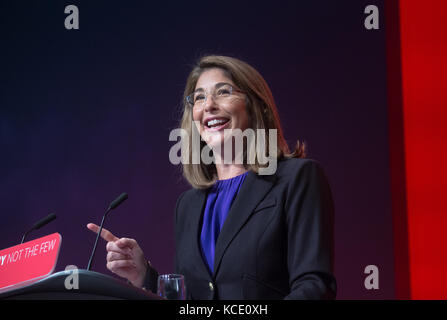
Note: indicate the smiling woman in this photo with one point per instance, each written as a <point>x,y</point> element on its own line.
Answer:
<point>241,99</point>
<point>226,111</point>
<point>241,234</point>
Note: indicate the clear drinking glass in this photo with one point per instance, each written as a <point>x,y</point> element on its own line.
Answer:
<point>171,286</point>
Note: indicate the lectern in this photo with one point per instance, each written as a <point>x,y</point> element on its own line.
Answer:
<point>91,286</point>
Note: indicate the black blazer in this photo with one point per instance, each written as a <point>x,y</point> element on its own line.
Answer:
<point>276,242</point>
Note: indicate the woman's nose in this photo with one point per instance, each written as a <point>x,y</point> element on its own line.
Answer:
<point>210,104</point>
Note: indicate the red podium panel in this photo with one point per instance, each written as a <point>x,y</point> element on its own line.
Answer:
<point>28,262</point>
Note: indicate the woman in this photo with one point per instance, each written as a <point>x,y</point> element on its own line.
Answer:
<point>241,234</point>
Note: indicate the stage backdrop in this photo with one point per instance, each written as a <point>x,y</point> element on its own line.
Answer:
<point>85,115</point>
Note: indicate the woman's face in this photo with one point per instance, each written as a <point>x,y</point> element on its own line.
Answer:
<point>214,117</point>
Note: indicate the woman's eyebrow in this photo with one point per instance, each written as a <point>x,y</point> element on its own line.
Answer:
<point>216,86</point>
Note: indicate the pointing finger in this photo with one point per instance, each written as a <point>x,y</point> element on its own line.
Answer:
<point>105,234</point>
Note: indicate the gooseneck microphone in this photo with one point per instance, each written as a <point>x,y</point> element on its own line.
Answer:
<point>115,203</point>
<point>39,224</point>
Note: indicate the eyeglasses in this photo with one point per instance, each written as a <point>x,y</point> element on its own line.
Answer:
<point>222,92</point>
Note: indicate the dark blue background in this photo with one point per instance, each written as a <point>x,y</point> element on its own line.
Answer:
<point>86,114</point>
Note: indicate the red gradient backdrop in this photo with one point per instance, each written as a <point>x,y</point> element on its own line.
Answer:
<point>423,45</point>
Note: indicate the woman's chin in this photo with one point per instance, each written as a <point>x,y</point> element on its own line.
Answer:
<point>213,139</point>
<point>215,143</point>
<point>216,140</point>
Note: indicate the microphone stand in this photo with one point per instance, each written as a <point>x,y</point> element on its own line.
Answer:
<point>115,203</point>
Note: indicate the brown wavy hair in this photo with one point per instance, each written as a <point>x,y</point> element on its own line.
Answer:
<point>261,110</point>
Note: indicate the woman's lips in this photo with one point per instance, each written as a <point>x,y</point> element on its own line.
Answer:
<point>217,128</point>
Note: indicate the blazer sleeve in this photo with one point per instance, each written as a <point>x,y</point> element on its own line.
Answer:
<point>310,217</point>
<point>177,231</point>
<point>150,279</point>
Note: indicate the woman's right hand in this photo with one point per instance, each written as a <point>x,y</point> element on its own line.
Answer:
<point>124,256</point>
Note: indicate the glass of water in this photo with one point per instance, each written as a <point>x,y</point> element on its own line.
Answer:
<point>171,286</point>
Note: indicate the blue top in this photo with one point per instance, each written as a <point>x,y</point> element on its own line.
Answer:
<point>218,203</point>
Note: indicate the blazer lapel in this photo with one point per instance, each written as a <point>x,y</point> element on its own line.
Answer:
<point>252,191</point>
<point>198,204</point>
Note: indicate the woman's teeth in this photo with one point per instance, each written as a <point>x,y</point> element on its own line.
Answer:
<point>215,122</point>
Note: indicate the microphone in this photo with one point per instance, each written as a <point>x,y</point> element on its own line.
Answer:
<point>39,224</point>
<point>115,203</point>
